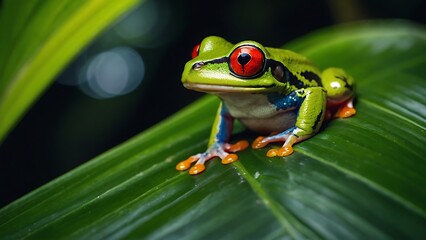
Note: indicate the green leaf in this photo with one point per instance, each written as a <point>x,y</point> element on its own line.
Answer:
<point>38,39</point>
<point>359,178</point>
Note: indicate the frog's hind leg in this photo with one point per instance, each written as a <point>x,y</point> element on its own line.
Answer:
<point>288,137</point>
<point>340,93</point>
<point>285,136</point>
<point>262,141</point>
<point>310,116</point>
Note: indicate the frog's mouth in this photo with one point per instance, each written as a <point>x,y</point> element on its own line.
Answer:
<point>211,88</point>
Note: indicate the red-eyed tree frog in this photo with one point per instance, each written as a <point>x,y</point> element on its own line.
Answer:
<point>271,91</point>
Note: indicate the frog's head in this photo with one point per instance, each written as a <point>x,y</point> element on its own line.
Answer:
<point>217,66</point>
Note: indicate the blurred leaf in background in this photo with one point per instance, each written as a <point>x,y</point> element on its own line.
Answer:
<point>44,37</point>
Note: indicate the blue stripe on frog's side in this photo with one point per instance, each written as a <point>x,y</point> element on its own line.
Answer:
<point>281,102</point>
<point>222,127</point>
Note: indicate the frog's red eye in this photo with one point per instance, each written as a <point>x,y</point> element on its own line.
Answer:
<point>195,51</point>
<point>247,61</point>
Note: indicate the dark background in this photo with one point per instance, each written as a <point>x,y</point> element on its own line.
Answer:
<point>66,127</point>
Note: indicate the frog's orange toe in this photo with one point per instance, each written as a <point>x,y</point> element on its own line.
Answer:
<point>285,151</point>
<point>239,146</point>
<point>182,166</point>
<point>196,169</point>
<point>272,152</point>
<point>282,152</point>
<point>346,112</point>
<point>258,143</point>
<point>230,158</point>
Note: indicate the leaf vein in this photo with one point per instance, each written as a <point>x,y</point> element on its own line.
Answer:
<point>286,219</point>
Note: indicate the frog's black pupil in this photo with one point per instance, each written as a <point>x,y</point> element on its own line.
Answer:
<point>244,58</point>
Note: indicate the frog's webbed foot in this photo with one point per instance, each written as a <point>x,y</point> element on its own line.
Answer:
<point>287,137</point>
<point>340,110</point>
<point>224,151</point>
<point>346,110</point>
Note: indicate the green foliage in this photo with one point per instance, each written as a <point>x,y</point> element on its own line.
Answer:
<point>38,38</point>
<point>360,178</point>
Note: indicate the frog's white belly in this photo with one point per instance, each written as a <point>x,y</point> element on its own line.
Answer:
<point>256,113</point>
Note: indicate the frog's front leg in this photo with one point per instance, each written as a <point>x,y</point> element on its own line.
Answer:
<point>218,144</point>
<point>311,104</point>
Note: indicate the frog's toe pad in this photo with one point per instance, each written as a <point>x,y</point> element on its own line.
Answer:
<point>346,112</point>
<point>230,158</point>
<point>285,151</point>
<point>272,152</point>
<point>196,169</point>
<point>282,152</point>
<point>259,143</point>
<point>239,146</point>
<point>184,165</point>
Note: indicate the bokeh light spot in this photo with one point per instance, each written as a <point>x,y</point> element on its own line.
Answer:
<point>113,73</point>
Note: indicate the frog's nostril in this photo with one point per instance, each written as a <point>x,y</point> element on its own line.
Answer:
<point>197,66</point>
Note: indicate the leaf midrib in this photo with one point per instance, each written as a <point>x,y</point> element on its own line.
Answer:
<point>287,220</point>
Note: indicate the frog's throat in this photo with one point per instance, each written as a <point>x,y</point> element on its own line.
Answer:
<point>210,88</point>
